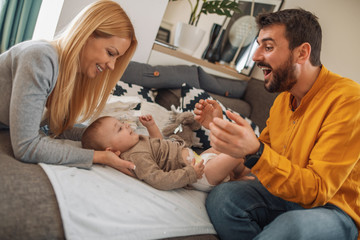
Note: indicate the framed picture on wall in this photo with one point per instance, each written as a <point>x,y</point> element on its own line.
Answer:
<point>239,41</point>
<point>163,35</point>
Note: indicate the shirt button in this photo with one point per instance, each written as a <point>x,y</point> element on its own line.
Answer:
<point>268,186</point>
<point>156,73</point>
<point>294,122</point>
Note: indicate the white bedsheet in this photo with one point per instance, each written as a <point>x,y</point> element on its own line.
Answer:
<point>103,203</point>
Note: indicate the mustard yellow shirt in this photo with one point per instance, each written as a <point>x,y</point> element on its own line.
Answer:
<point>311,155</point>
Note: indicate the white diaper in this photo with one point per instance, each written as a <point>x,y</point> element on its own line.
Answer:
<point>202,184</point>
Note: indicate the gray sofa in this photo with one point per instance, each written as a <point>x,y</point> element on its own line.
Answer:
<point>28,205</point>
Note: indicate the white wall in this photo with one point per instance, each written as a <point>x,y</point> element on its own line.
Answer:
<point>340,48</point>
<point>339,20</point>
<point>173,15</point>
<point>145,15</point>
<point>47,20</point>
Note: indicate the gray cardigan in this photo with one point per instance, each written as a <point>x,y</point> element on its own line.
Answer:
<point>28,74</point>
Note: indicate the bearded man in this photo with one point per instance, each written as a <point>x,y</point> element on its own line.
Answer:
<point>306,160</point>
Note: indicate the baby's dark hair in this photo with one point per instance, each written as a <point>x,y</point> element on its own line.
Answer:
<point>90,137</point>
<point>301,26</point>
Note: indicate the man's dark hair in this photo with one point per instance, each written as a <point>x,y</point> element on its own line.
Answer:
<point>301,26</point>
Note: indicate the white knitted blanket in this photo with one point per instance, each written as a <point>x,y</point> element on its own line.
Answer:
<point>103,203</point>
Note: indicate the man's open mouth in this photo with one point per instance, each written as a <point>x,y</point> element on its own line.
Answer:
<point>266,70</point>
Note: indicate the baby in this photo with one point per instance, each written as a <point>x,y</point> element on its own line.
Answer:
<point>164,164</point>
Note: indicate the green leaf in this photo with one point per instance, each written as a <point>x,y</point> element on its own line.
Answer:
<point>219,7</point>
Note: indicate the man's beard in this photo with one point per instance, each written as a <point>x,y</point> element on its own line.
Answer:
<point>283,78</point>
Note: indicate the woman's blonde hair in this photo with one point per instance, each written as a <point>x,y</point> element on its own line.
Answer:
<point>75,96</point>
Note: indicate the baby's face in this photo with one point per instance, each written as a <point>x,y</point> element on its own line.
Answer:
<point>119,136</point>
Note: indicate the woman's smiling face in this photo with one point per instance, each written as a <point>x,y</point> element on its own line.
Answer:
<point>101,53</point>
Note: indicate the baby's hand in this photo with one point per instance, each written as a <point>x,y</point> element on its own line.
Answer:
<point>199,167</point>
<point>147,120</point>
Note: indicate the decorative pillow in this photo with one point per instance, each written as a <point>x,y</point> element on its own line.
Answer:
<point>129,89</point>
<point>160,76</point>
<point>190,96</point>
<point>221,86</point>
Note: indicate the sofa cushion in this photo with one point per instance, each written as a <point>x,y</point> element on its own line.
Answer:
<point>169,77</point>
<point>129,89</point>
<point>221,86</point>
<point>190,96</point>
<point>160,76</point>
<point>236,105</point>
<point>168,97</point>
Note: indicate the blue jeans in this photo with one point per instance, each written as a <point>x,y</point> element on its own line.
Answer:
<point>247,210</point>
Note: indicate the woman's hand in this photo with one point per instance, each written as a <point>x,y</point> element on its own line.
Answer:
<point>206,110</point>
<point>235,139</point>
<point>113,160</point>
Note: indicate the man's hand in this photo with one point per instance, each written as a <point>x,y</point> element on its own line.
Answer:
<point>235,139</point>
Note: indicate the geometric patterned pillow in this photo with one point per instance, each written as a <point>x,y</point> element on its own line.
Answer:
<point>128,89</point>
<point>189,97</point>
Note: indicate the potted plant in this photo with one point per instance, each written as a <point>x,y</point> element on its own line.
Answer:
<point>219,7</point>
<point>188,36</point>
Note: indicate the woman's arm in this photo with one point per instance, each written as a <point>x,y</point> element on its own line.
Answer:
<point>36,67</point>
<point>74,133</point>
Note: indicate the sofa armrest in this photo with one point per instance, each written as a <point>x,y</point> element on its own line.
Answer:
<point>28,206</point>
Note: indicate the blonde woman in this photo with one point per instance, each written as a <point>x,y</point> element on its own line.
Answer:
<point>71,77</point>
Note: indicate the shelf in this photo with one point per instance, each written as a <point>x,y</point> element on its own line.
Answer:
<point>217,67</point>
